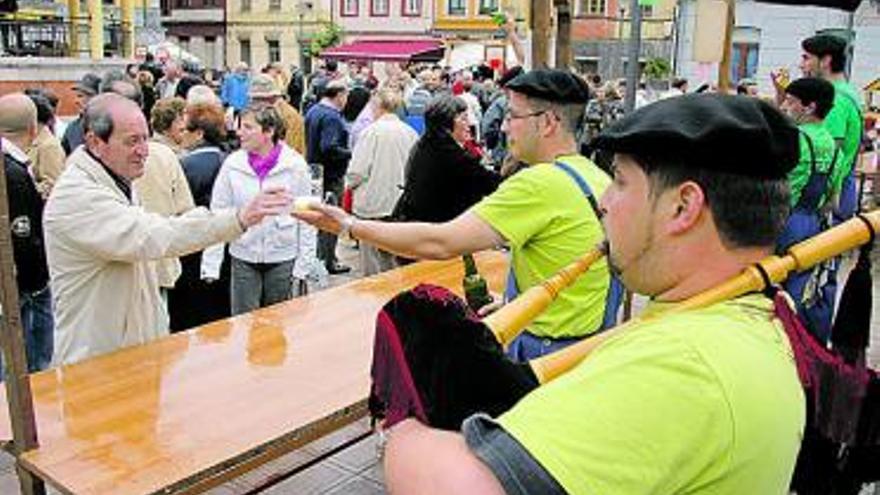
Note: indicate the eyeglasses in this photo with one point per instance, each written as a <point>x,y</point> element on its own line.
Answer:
<point>508,115</point>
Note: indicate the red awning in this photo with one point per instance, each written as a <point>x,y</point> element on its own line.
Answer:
<point>399,50</point>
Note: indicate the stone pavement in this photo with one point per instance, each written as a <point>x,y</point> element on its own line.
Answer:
<point>357,470</point>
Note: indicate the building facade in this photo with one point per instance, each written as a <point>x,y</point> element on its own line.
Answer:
<point>600,35</point>
<point>768,37</point>
<point>385,19</point>
<point>199,27</point>
<point>259,32</point>
<point>470,34</point>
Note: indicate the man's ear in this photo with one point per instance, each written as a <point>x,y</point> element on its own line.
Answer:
<point>687,207</point>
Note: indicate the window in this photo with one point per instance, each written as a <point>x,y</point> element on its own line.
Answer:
<point>349,8</point>
<point>274,5</point>
<point>183,41</point>
<point>488,7</point>
<point>244,48</point>
<point>411,8</point>
<point>274,50</point>
<point>379,8</point>
<point>647,10</point>
<point>245,5</point>
<point>743,61</point>
<point>457,7</point>
<point>591,7</point>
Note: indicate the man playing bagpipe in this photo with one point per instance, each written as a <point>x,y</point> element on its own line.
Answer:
<point>545,213</point>
<point>700,401</point>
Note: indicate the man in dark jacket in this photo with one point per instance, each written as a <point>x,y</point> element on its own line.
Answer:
<point>327,144</point>
<point>18,129</point>
<point>85,89</point>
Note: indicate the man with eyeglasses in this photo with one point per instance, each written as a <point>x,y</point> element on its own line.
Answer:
<point>545,213</point>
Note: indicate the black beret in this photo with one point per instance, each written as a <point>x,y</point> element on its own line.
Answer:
<point>551,85</point>
<point>813,90</point>
<point>824,44</point>
<point>733,134</point>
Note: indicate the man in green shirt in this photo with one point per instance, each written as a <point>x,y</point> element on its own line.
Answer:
<point>824,56</point>
<point>542,212</point>
<point>807,101</point>
<point>706,401</point>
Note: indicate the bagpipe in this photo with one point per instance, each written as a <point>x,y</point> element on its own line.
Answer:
<point>435,360</point>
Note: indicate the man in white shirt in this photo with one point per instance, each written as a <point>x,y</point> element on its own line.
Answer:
<point>376,171</point>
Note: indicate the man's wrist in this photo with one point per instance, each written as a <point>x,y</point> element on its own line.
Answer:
<point>239,216</point>
<point>346,225</point>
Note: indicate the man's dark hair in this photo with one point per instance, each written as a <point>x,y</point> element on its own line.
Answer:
<point>747,211</point>
<point>331,66</point>
<point>679,83</point>
<point>813,90</point>
<point>441,112</point>
<point>45,114</point>
<point>821,45</point>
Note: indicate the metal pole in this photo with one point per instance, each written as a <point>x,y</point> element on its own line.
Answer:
<point>851,45</point>
<point>635,47</point>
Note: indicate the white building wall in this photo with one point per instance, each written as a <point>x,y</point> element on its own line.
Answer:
<point>781,29</point>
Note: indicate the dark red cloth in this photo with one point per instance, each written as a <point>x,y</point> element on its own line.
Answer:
<point>434,360</point>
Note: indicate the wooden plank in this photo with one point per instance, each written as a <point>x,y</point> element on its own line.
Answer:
<point>188,411</point>
<point>18,387</point>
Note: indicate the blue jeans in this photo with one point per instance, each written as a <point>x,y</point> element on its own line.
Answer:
<point>38,326</point>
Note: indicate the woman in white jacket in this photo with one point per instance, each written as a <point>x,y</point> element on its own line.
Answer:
<point>271,256</point>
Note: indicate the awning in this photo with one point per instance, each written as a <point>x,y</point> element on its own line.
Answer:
<point>393,50</point>
<point>847,5</point>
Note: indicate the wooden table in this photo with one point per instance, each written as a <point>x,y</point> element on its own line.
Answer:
<point>187,412</point>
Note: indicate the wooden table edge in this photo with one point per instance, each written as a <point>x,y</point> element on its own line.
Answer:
<point>245,462</point>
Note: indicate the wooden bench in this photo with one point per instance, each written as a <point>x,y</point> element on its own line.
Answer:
<point>187,412</point>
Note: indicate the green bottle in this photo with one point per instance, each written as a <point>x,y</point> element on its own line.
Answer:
<point>476,292</point>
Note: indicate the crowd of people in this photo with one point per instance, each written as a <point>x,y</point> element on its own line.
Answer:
<point>167,202</point>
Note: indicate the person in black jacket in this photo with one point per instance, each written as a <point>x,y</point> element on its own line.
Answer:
<point>18,129</point>
<point>327,144</point>
<point>194,302</point>
<point>443,180</point>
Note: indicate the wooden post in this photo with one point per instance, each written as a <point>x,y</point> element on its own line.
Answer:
<point>127,7</point>
<point>73,18</point>
<point>15,372</point>
<point>540,33</point>
<point>96,29</point>
<point>724,83</point>
<point>563,34</point>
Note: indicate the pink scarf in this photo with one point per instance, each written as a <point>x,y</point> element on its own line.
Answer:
<point>262,165</point>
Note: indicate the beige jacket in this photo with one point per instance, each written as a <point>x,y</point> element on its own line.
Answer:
<point>101,251</point>
<point>295,135</point>
<point>47,160</point>
<point>163,189</point>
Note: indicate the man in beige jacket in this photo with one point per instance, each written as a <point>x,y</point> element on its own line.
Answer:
<point>102,246</point>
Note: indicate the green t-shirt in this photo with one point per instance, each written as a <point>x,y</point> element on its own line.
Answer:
<point>844,122</point>
<point>823,152</point>
<point>702,402</point>
<point>548,222</point>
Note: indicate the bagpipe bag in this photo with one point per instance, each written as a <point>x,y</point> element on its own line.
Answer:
<point>433,359</point>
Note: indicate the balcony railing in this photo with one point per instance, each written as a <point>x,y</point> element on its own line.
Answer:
<point>53,37</point>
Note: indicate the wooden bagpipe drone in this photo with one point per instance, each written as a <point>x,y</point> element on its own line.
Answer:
<point>435,360</point>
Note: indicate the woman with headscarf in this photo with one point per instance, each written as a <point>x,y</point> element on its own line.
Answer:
<point>443,179</point>
<point>267,259</point>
